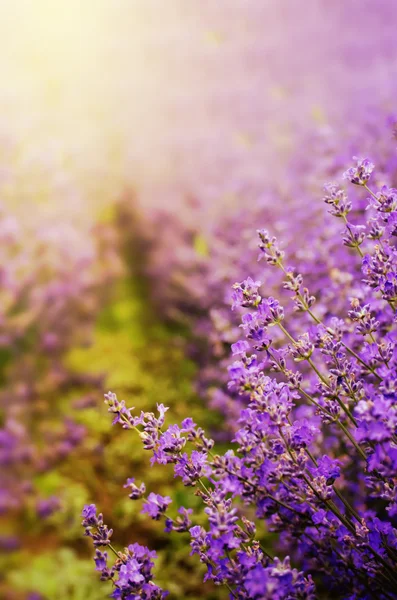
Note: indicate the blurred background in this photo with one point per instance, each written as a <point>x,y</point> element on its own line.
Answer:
<point>142,143</point>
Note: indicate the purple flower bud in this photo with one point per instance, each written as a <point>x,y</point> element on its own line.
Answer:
<point>246,293</point>
<point>361,173</point>
<point>156,505</point>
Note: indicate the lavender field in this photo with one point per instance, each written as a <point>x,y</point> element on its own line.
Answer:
<point>198,285</point>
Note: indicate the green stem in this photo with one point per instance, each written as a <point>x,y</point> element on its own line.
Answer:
<point>356,246</point>
<point>319,322</point>
<point>204,487</point>
<point>347,505</point>
<point>353,441</point>
<point>319,375</point>
<point>342,499</point>
<point>331,506</point>
<point>230,590</point>
<point>360,360</point>
<point>113,549</point>
<point>286,333</point>
<point>370,192</point>
<point>346,411</point>
<point>326,412</point>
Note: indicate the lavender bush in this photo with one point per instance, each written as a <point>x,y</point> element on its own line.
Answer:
<point>54,281</point>
<point>256,101</point>
<point>314,450</point>
<point>193,258</point>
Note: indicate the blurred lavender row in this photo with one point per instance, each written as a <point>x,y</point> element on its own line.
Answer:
<point>294,115</point>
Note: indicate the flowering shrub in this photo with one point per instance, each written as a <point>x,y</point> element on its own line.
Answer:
<point>54,281</point>
<point>315,448</point>
<point>199,254</point>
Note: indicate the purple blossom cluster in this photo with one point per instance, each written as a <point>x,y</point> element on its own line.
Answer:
<point>314,452</point>
<point>194,258</point>
<point>131,573</point>
<point>254,152</point>
<point>279,107</point>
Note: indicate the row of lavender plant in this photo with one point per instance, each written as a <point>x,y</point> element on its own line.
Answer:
<point>314,452</point>
<point>192,258</point>
<point>54,280</point>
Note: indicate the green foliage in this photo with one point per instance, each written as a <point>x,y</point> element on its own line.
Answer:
<point>144,361</point>
<point>141,357</point>
<point>58,575</point>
